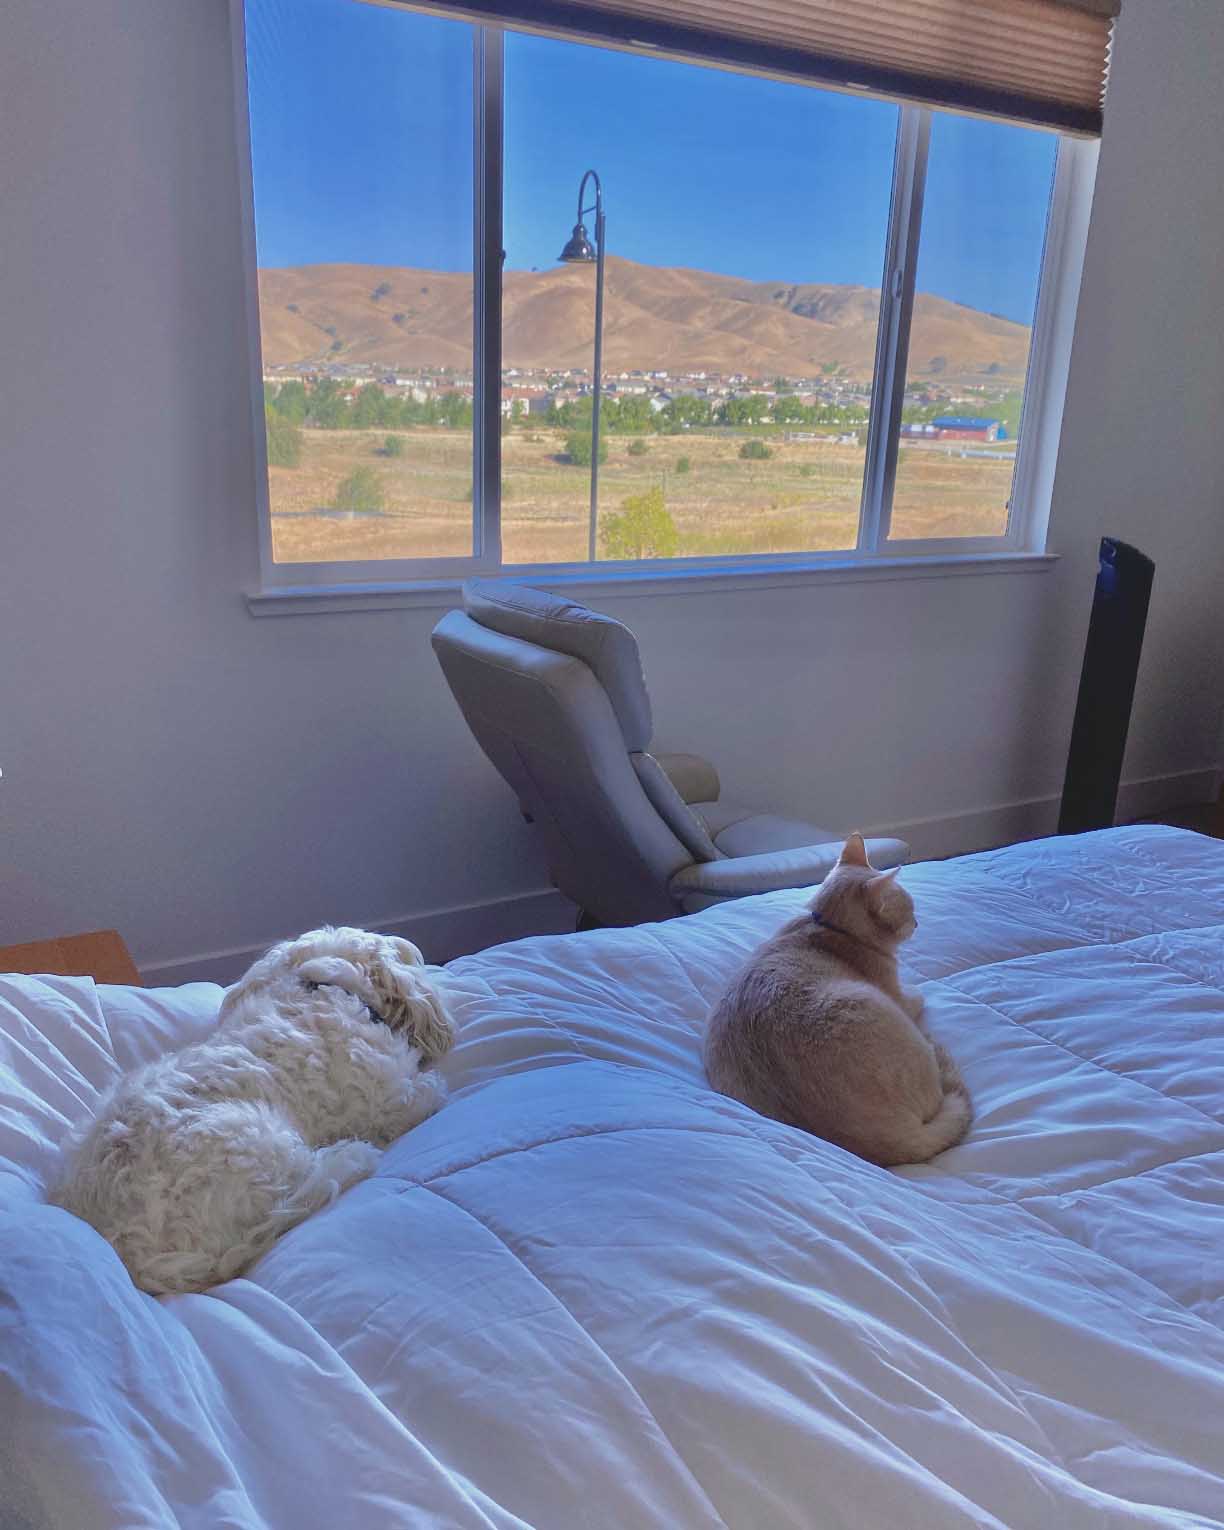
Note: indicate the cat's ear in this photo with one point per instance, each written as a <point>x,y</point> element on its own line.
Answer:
<point>879,891</point>
<point>854,852</point>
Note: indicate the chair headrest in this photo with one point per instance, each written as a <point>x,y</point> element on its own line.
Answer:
<point>606,646</point>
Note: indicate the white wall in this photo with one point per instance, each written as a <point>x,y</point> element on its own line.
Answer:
<point>206,781</point>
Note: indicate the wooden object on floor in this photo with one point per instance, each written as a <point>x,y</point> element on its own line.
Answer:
<point>100,955</point>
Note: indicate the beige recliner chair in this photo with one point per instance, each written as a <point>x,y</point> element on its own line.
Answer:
<point>555,696</point>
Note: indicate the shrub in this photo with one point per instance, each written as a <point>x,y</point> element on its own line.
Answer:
<point>642,528</point>
<point>361,490</point>
<point>638,448</point>
<point>683,465</point>
<point>578,448</point>
<point>393,446</point>
<point>755,450</point>
<point>284,441</point>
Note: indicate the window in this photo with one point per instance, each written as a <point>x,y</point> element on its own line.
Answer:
<point>746,230</point>
<point>818,308</point>
<point>363,153</point>
<point>986,197</point>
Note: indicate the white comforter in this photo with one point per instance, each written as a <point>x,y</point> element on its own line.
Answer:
<point>592,1293</point>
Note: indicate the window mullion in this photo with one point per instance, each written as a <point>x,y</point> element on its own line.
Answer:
<point>1046,378</point>
<point>487,298</point>
<point>896,312</point>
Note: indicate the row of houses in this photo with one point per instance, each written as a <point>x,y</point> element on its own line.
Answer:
<point>528,396</point>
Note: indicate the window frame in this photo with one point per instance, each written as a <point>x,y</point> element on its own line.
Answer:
<point>1044,388</point>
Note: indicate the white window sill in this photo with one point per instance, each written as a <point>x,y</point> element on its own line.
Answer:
<point>441,594</point>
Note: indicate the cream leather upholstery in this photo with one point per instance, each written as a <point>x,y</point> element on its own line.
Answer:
<point>555,696</point>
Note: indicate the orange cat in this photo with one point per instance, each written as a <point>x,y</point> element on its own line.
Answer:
<point>816,1030</point>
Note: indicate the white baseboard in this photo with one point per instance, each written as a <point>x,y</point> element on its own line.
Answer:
<point>446,933</point>
<point>441,934</point>
<point>1008,823</point>
<point>1157,794</point>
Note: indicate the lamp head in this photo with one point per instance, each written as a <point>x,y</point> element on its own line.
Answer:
<point>578,251</point>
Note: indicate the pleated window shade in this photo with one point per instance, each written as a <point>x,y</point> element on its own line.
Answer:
<point>1044,62</point>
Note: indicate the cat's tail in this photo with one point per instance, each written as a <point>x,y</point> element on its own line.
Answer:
<point>948,1126</point>
<point>951,1122</point>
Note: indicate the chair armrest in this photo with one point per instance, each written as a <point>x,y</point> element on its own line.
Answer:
<point>740,876</point>
<point>694,778</point>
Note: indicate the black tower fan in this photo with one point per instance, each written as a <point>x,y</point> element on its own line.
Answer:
<point>1107,688</point>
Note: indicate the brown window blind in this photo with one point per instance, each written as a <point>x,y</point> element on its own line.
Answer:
<point>1038,61</point>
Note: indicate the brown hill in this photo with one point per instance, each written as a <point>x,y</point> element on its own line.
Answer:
<point>655,318</point>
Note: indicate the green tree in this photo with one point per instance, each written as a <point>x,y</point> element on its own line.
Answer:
<point>574,414</point>
<point>402,413</point>
<point>792,411</point>
<point>755,450</point>
<point>631,414</point>
<point>361,490</point>
<point>686,410</point>
<point>368,408</point>
<point>327,408</point>
<point>453,410</point>
<point>291,401</point>
<point>641,528</point>
<point>284,440</point>
<point>746,411</point>
<point>578,448</point>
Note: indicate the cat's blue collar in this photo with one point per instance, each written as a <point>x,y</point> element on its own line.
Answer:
<point>822,923</point>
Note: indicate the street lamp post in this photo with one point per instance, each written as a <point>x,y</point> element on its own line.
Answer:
<point>578,252</point>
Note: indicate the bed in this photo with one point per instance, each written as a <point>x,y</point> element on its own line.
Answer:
<point>592,1293</point>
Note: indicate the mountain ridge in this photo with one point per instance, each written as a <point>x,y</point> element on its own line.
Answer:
<point>656,318</point>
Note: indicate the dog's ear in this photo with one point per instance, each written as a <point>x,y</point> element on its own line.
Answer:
<point>410,998</point>
<point>409,954</point>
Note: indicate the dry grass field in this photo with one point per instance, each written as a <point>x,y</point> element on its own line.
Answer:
<point>805,498</point>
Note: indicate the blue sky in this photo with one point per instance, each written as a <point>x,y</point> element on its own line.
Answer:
<point>362,144</point>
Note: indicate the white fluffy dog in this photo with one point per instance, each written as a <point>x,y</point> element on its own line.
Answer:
<point>196,1163</point>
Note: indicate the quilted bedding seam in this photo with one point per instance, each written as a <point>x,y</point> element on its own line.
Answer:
<point>453,1170</point>
<point>1091,1062</point>
<point>534,1275</point>
<point>1157,867</point>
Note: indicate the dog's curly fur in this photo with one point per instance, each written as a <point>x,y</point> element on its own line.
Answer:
<point>196,1163</point>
